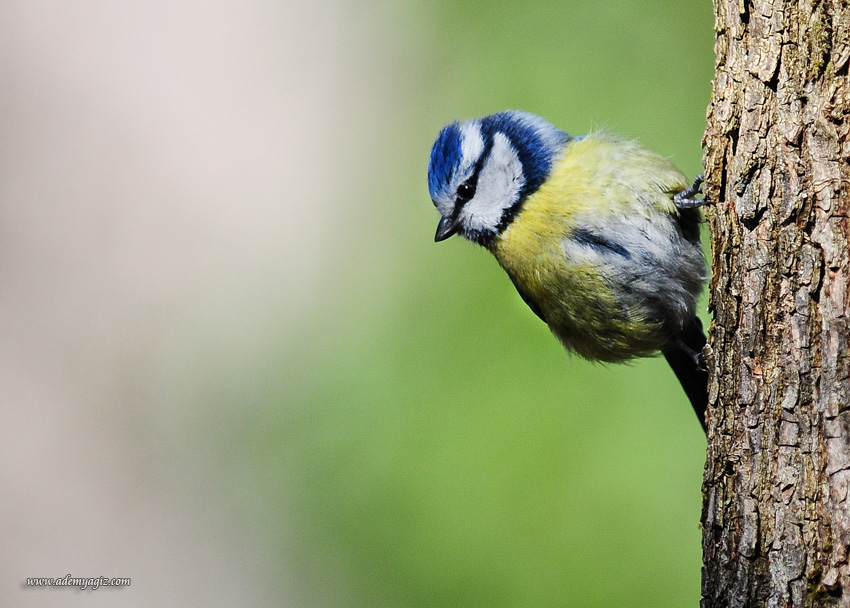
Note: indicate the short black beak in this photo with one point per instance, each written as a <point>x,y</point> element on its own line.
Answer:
<point>446,228</point>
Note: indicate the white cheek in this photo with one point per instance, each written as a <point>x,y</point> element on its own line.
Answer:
<point>499,185</point>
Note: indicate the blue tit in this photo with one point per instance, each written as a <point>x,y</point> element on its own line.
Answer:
<point>599,235</point>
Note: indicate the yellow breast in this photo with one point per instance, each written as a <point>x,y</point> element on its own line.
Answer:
<point>595,176</point>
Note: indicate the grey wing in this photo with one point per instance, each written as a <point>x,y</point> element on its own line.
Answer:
<point>649,261</point>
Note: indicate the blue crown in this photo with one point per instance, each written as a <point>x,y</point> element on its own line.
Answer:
<point>445,156</point>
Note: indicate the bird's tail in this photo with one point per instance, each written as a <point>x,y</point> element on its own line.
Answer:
<point>685,357</point>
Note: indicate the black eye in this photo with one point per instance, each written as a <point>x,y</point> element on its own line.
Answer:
<point>466,191</point>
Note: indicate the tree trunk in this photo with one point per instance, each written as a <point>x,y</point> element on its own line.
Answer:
<point>776,511</point>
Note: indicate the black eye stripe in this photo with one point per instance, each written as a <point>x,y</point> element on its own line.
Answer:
<point>466,190</point>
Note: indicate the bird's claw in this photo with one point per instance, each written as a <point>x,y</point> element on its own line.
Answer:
<point>686,199</point>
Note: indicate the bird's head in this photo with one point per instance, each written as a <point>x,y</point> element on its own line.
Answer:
<point>482,170</point>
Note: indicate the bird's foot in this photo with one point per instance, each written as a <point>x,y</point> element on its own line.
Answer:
<point>686,199</point>
<point>698,357</point>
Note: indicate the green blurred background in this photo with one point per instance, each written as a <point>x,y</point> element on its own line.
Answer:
<point>238,369</point>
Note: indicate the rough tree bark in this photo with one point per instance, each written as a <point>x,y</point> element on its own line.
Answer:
<point>776,511</point>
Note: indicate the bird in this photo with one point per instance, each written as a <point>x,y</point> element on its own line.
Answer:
<point>599,235</point>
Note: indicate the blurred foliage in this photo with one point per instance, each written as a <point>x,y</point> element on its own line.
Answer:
<point>421,439</point>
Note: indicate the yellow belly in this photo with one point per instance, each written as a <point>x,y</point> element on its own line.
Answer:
<point>577,298</point>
